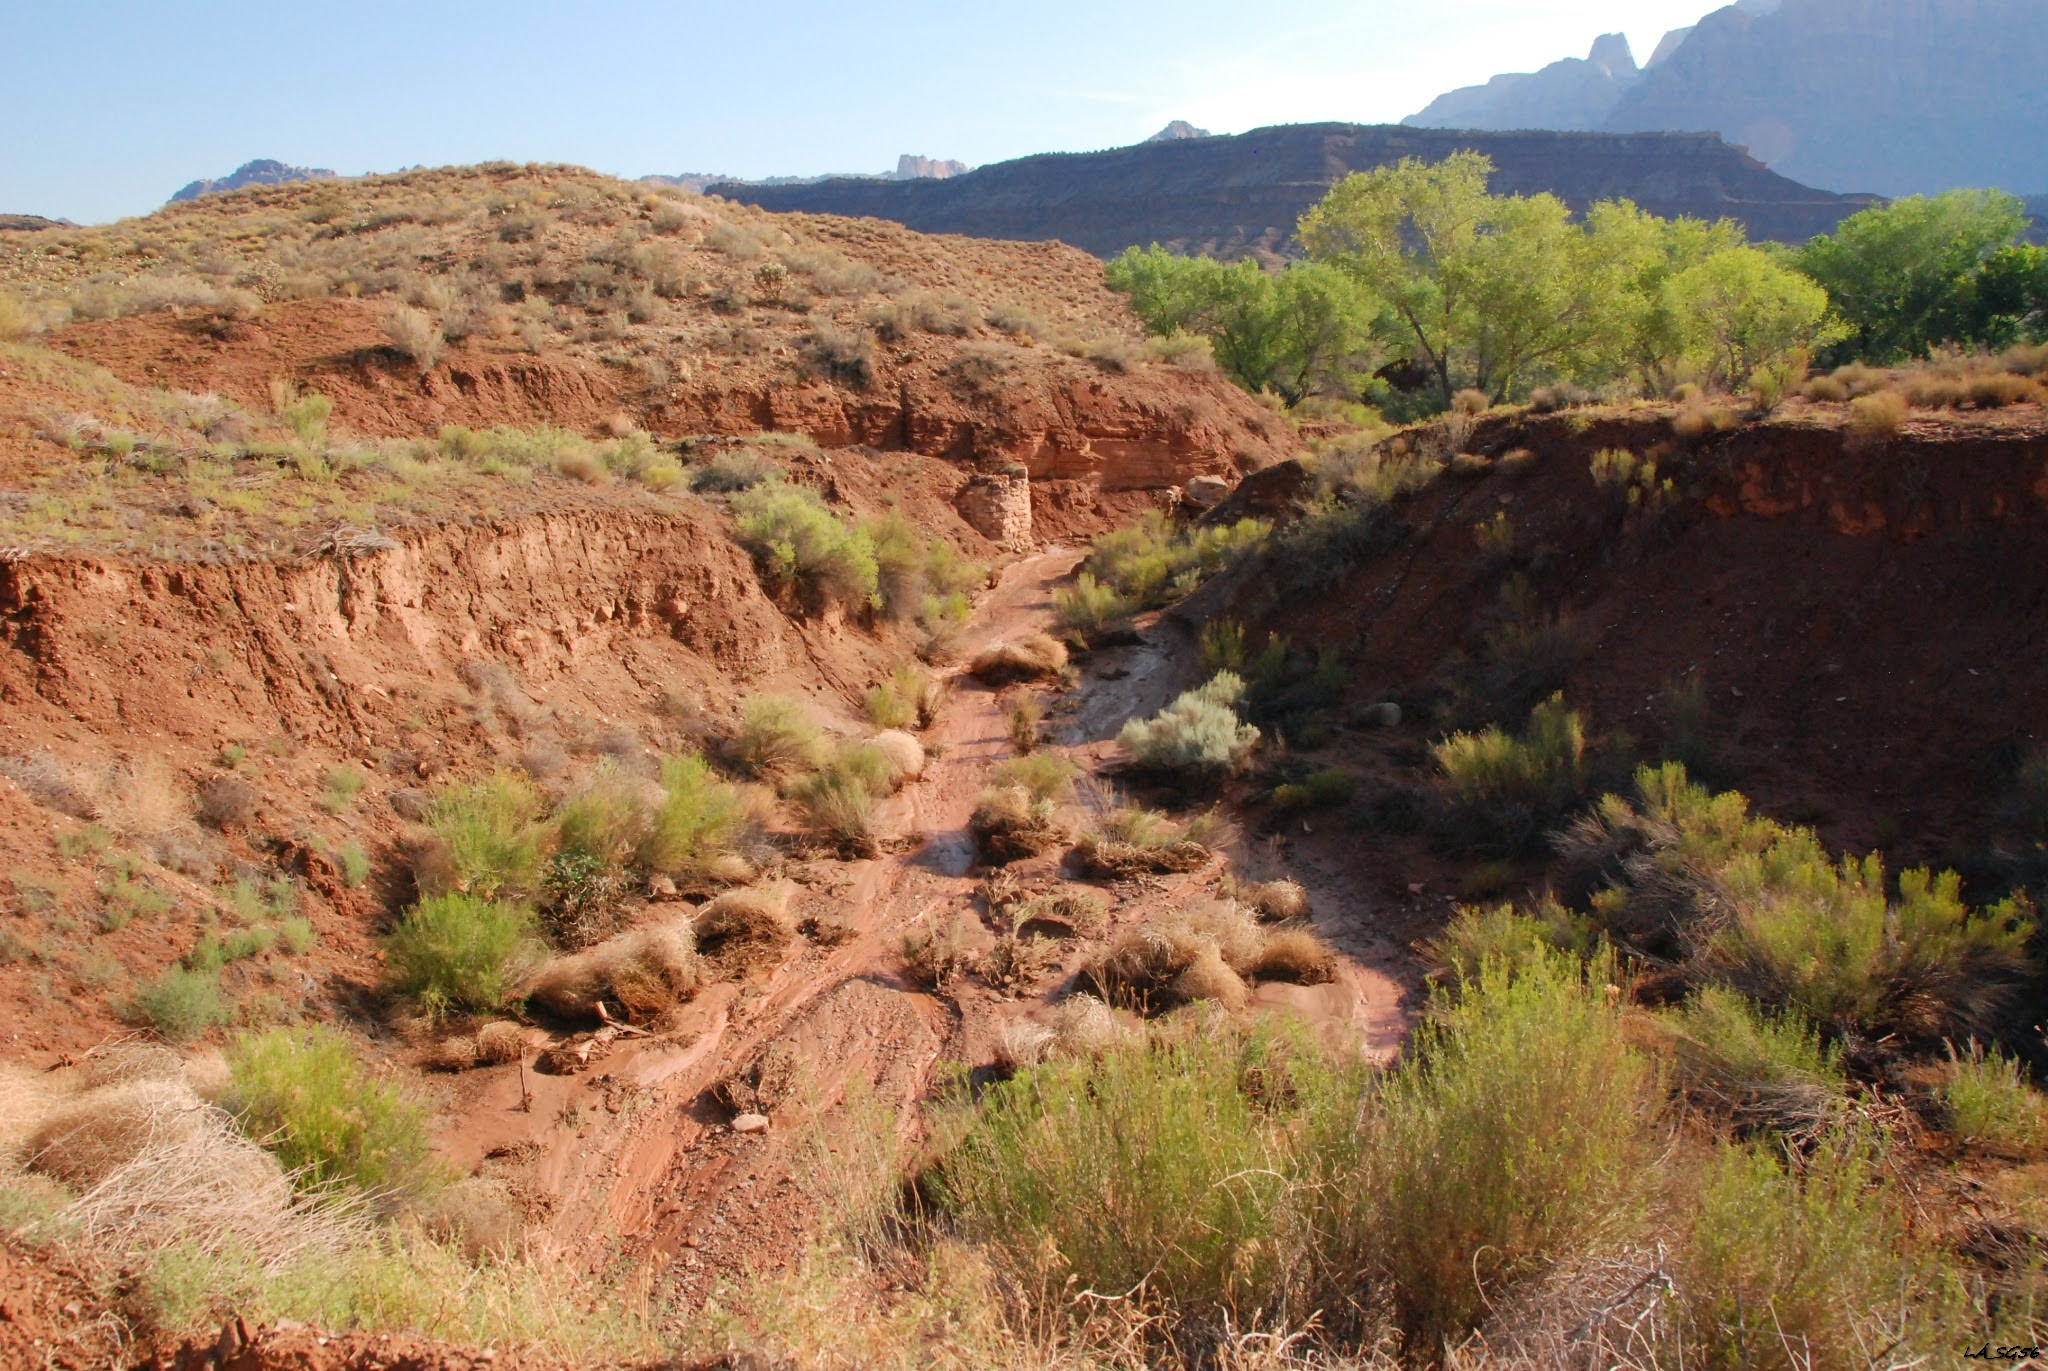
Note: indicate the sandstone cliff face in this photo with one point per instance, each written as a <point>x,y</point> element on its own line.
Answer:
<point>1241,195</point>
<point>1892,96</point>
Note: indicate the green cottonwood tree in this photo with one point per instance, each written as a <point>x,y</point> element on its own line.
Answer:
<point>1928,270</point>
<point>1739,310</point>
<point>1297,332</point>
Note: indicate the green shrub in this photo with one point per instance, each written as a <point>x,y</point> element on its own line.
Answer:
<point>1509,1138</point>
<point>1087,607</point>
<point>837,803</point>
<point>1044,775</point>
<point>182,1002</point>
<point>1182,1148</point>
<point>805,550</point>
<point>1198,736</point>
<point>912,569</point>
<point>1765,908</point>
<point>296,933</point>
<point>1152,561</point>
<point>355,864</point>
<point>906,700</point>
<point>494,835</point>
<point>339,789</point>
<point>605,821</point>
<point>1476,937</point>
<point>700,817</point>
<point>1786,1269</point>
<point>1754,1066</point>
<point>303,1094</point>
<point>1318,790</point>
<point>459,952</point>
<point>1500,790</point>
<point>846,356</point>
<point>1989,1101</point>
<point>775,736</point>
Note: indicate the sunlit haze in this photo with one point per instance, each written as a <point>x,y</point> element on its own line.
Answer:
<point>128,101</point>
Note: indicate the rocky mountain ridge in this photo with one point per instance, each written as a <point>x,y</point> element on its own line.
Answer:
<point>1241,194</point>
<point>1894,97</point>
<point>264,171</point>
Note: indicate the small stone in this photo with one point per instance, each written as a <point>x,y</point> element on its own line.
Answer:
<point>71,1310</point>
<point>1386,714</point>
<point>750,1123</point>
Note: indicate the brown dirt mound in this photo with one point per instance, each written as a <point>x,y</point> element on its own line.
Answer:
<point>645,972</point>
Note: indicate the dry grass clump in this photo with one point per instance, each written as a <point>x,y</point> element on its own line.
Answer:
<point>904,753</point>
<point>26,1095</point>
<point>1061,914</point>
<point>744,930</point>
<point>86,1138</point>
<point>1876,417</point>
<point>1017,960</point>
<point>130,1059</point>
<point>51,783</point>
<point>1137,842</point>
<point>935,953</point>
<point>480,1218</point>
<point>645,972</point>
<point>1278,901</point>
<point>414,334</point>
<point>1033,657</point>
<point>1009,824</point>
<point>1698,417</point>
<point>1199,952</point>
<point>1297,955</point>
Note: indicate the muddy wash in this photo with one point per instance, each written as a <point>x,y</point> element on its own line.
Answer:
<point>640,1144</point>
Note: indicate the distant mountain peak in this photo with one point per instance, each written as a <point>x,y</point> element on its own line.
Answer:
<point>264,171</point>
<point>1177,130</point>
<point>1611,51</point>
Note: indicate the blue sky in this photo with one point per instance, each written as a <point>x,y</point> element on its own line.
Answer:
<point>110,105</point>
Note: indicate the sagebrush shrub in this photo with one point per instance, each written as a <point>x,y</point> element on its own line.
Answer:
<point>1501,790</point>
<point>1198,736</point>
<point>1989,1101</point>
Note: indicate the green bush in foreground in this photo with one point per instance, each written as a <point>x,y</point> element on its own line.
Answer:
<point>775,735</point>
<point>1989,1101</point>
<point>1512,1136</point>
<point>303,1093</point>
<point>457,952</point>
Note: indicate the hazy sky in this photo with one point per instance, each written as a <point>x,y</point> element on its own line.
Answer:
<point>111,105</point>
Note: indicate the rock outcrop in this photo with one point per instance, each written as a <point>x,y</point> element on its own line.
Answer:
<point>1177,129</point>
<point>1241,195</point>
<point>30,223</point>
<point>261,172</point>
<point>913,167</point>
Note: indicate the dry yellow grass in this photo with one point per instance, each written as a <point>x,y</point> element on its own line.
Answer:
<point>905,753</point>
<point>744,930</point>
<point>84,1138</point>
<point>644,972</point>
<point>1029,658</point>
